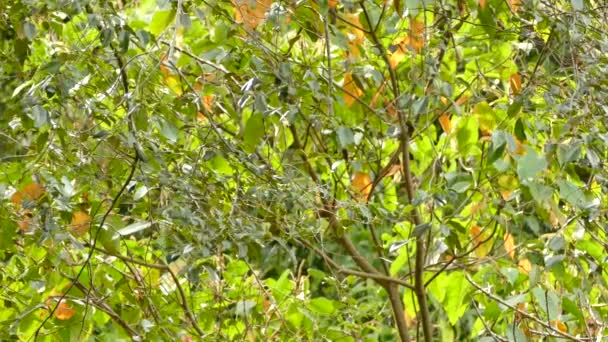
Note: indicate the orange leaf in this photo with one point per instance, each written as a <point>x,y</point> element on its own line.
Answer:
<point>396,57</point>
<point>482,4</point>
<point>477,207</point>
<point>446,124</point>
<point>30,192</point>
<point>515,83</point>
<point>355,36</point>
<point>506,194</point>
<point>514,4</point>
<point>362,184</point>
<point>250,12</point>
<point>333,3</point>
<point>81,223</point>
<point>207,101</point>
<point>524,265</point>
<point>416,34</point>
<point>510,245</point>
<point>352,91</point>
<point>25,222</point>
<point>64,311</point>
<point>390,108</point>
<point>163,68</point>
<point>462,100</point>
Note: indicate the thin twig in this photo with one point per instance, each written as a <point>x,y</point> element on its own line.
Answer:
<point>522,312</point>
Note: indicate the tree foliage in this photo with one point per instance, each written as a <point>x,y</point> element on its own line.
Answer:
<point>310,170</point>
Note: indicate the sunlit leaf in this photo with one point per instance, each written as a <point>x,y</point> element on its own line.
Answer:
<point>524,265</point>
<point>509,245</point>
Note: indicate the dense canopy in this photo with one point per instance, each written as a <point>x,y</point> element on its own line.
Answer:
<point>313,170</point>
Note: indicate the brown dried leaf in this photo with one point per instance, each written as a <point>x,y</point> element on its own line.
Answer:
<point>30,192</point>
<point>250,12</point>
<point>81,223</point>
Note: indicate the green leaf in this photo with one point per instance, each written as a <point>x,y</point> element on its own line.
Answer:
<point>572,194</point>
<point>456,287</point>
<point>160,21</point>
<point>539,192</point>
<point>345,136</point>
<point>592,248</point>
<point>140,193</point>
<point>467,134</point>
<point>254,131</point>
<point>133,228</point>
<point>322,305</point>
<point>548,302</point>
<point>529,165</point>
<point>168,130</point>
<point>422,228</point>
<point>519,130</point>
<point>221,165</point>
<point>568,153</point>
<point>578,5</point>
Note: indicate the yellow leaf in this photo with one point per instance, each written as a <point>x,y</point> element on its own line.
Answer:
<point>481,240</point>
<point>524,265</point>
<point>507,184</point>
<point>250,12</point>
<point>396,57</point>
<point>362,184</point>
<point>559,325</point>
<point>515,83</point>
<point>30,192</point>
<point>174,84</point>
<point>64,311</point>
<point>352,91</point>
<point>446,124</point>
<point>510,245</point>
<point>81,223</point>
